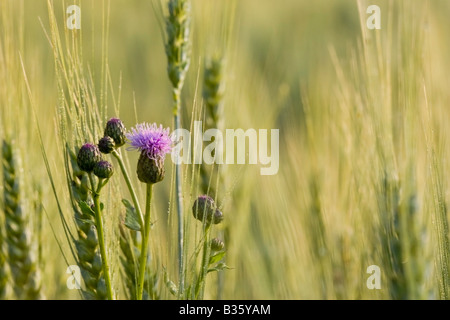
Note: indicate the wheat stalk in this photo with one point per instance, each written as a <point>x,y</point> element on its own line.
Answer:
<point>177,52</point>
<point>213,92</point>
<point>401,236</point>
<point>21,247</point>
<point>318,236</point>
<point>389,207</point>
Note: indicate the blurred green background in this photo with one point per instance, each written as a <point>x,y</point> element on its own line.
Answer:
<point>287,62</point>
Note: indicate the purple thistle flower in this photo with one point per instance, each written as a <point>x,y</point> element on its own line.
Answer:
<point>153,141</point>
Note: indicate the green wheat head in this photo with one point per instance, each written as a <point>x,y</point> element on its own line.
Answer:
<point>177,45</point>
<point>213,91</point>
<point>22,247</point>
<point>129,259</point>
<point>3,274</point>
<point>401,236</point>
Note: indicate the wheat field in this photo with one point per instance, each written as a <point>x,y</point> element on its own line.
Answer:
<point>356,210</point>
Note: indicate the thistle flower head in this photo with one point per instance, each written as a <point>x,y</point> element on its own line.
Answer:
<point>217,244</point>
<point>153,141</point>
<point>88,156</point>
<point>103,169</point>
<point>106,144</point>
<point>218,216</point>
<point>205,210</point>
<point>116,130</point>
<point>150,170</point>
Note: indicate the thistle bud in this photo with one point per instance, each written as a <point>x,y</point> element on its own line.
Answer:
<point>217,244</point>
<point>150,170</point>
<point>88,156</point>
<point>205,209</point>
<point>106,145</point>
<point>218,217</point>
<point>103,169</point>
<point>116,130</point>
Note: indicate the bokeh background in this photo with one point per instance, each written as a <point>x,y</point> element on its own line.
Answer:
<point>363,127</point>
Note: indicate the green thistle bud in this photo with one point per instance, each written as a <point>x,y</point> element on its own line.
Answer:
<point>205,209</point>
<point>103,169</point>
<point>150,170</point>
<point>106,145</point>
<point>88,156</point>
<point>116,130</point>
<point>217,244</point>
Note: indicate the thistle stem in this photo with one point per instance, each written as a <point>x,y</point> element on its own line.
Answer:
<point>205,263</point>
<point>144,249</point>
<point>130,187</point>
<point>101,236</point>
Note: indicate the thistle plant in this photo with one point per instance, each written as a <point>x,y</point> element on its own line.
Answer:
<point>153,143</point>
<point>22,250</point>
<point>217,245</point>
<point>206,211</point>
<point>114,138</point>
<point>86,245</point>
<point>115,129</point>
<point>91,242</point>
<point>178,59</point>
<point>89,161</point>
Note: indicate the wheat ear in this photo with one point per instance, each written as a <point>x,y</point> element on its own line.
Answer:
<point>213,90</point>
<point>3,274</point>
<point>178,58</point>
<point>22,251</point>
<point>129,246</point>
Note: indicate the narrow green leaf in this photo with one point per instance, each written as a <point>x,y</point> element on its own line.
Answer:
<point>169,284</point>
<point>131,217</point>
<point>86,221</point>
<point>216,257</point>
<point>86,209</point>
<point>219,267</point>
